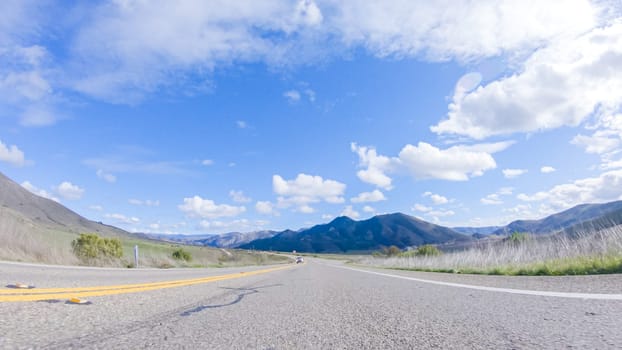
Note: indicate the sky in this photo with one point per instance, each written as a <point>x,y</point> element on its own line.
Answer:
<point>217,116</point>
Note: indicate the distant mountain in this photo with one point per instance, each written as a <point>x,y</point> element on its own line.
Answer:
<point>224,240</point>
<point>233,239</point>
<point>480,231</point>
<point>346,235</point>
<point>584,217</point>
<point>19,208</point>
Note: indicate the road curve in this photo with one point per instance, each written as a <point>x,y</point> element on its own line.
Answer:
<point>317,305</point>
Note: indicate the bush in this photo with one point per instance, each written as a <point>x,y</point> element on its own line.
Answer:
<point>518,237</point>
<point>427,250</point>
<point>391,251</point>
<point>181,254</point>
<point>91,246</point>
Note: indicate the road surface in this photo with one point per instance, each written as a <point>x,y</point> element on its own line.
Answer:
<point>320,304</point>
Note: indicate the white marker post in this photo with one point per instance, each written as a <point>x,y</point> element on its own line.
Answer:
<point>136,256</point>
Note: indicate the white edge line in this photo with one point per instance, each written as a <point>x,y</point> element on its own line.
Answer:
<point>594,296</point>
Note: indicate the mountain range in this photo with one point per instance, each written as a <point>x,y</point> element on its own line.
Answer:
<point>22,212</point>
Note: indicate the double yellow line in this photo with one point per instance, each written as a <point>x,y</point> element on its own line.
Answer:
<point>13,295</point>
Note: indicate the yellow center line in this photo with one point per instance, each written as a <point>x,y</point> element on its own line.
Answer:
<point>60,293</point>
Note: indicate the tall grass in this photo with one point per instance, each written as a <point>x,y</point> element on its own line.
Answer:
<point>24,240</point>
<point>584,253</point>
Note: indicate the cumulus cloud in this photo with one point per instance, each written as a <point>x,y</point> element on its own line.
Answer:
<point>208,209</point>
<point>436,198</point>
<point>561,84</point>
<point>39,192</point>
<point>424,161</point>
<point>513,173</point>
<point>11,154</point>
<point>373,196</point>
<point>207,162</point>
<point>547,169</point>
<point>67,190</point>
<point>375,166</point>
<point>307,189</point>
<point>349,212</point>
<point>239,197</point>
<point>604,188</point>
<point>106,176</point>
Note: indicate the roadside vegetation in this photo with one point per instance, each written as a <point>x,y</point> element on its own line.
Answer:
<point>595,252</point>
<point>25,241</point>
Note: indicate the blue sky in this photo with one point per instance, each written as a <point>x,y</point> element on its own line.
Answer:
<point>218,116</point>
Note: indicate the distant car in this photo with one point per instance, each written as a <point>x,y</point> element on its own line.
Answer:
<point>299,260</point>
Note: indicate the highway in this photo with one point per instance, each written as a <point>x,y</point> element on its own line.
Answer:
<point>321,304</point>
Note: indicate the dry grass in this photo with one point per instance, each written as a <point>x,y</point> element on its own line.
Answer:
<point>590,252</point>
<point>23,240</point>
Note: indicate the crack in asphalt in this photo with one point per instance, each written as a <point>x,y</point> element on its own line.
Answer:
<point>158,320</point>
<point>247,291</point>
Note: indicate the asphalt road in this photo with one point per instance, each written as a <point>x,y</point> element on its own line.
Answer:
<point>317,305</point>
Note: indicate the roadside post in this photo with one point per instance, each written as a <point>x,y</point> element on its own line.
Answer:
<point>136,256</point>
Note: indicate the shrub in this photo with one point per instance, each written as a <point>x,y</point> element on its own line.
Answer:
<point>518,237</point>
<point>91,246</point>
<point>427,250</point>
<point>391,251</point>
<point>181,254</point>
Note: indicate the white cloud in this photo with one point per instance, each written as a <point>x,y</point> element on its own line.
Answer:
<point>561,84</point>
<point>11,154</point>
<point>306,189</point>
<point>505,191</point>
<point>495,198</point>
<point>148,202</point>
<point>420,208</point>
<point>456,163</point>
<point>292,96</point>
<point>441,213</point>
<point>266,208</point>
<point>106,176</point>
<point>424,161</point>
<point>375,166</point>
<point>120,218</point>
<point>459,29</point>
<point>39,192</point>
<point>241,124</point>
<point>207,162</point>
<point>69,191</point>
<point>96,207</point>
<point>605,140</point>
<point>600,142</point>
<point>349,212</point>
<point>513,173</point>
<point>491,199</point>
<point>373,196</point>
<point>547,169</point>
<point>239,197</point>
<point>436,198</point>
<point>369,209</point>
<point>604,188</point>
<point>206,208</point>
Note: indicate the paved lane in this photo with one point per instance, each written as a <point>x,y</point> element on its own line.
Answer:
<point>318,305</point>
